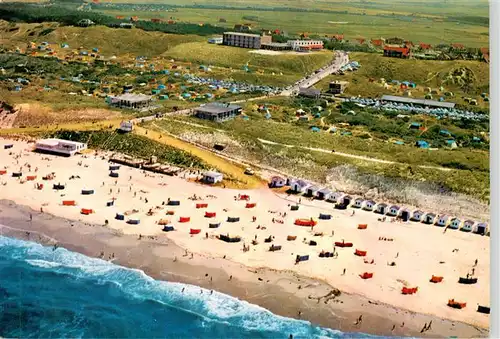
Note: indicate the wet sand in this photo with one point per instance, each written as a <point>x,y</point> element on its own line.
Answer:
<point>283,292</point>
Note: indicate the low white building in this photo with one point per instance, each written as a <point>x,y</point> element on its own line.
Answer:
<point>60,146</point>
<point>417,215</point>
<point>429,218</point>
<point>442,221</point>
<point>369,205</point>
<point>404,213</point>
<point>382,208</point>
<point>345,199</point>
<point>358,203</point>
<point>468,226</point>
<point>455,223</point>
<point>299,186</point>
<point>312,190</point>
<point>126,126</point>
<point>323,193</point>
<point>277,182</point>
<point>393,210</point>
<point>305,44</point>
<point>481,228</point>
<point>212,177</point>
<point>335,197</point>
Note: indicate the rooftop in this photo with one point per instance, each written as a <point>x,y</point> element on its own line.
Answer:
<point>216,108</point>
<point>212,174</point>
<point>309,91</point>
<point>424,102</point>
<point>133,97</point>
<point>55,142</point>
<point>243,34</point>
<point>276,44</point>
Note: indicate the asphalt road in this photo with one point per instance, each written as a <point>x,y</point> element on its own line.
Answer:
<point>341,59</point>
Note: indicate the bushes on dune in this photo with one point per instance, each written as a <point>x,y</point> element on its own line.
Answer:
<point>133,145</point>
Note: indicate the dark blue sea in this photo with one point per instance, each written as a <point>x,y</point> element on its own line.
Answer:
<point>54,294</point>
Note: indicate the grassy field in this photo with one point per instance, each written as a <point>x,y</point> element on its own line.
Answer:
<point>236,58</point>
<point>419,21</point>
<point>120,42</point>
<point>241,140</point>
<point>424,73</point>
<point>434,8</point>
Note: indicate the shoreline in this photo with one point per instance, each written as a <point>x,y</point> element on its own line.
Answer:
<point>282,292</point>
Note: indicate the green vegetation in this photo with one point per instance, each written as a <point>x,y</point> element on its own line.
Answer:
<point>424,73</point>
<point>418,23</point>
<point>110,41</point>
<point>69,15</point>
<point>133,145</point>
<point>411,164</point>
<point>225,56</point>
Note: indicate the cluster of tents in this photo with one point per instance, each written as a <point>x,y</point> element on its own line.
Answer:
<point>439,113</point>
<point>231,86</point>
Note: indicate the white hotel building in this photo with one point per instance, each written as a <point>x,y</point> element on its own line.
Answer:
<point>59,146</point>
<point>305,44</point>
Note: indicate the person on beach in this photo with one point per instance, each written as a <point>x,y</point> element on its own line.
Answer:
<point>423,328</point>
<point>230,277</point>
<point>31,217</point>
<point>393,327</point>
<point>343,273</point>
<point>475,262</point>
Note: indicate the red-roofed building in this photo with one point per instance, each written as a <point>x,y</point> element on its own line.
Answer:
<point>457,46</point>
<point>377,42</point>
<point>396,52</point>
<point>425,46</point>
<point>277,31</point>
<point>339,37</point>
<point>361,40</point>
<point>485,51</point>
<point>156,20</point>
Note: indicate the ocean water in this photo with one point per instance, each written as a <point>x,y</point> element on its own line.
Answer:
<point>46,293</point>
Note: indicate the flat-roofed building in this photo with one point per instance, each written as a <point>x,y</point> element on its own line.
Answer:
<point>60,146</point>
<point>419,102</point>
<point>131,101</point>
<point>276,46</point>
<point>245,40</point>
<point>217,111</point>
<point>337,87</point>
<point>305,44</point>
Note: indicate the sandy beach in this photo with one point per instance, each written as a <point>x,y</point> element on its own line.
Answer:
<point>269,279</point>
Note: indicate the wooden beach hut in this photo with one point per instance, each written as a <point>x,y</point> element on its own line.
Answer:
<point>468,226</point>
<point>393,210</point>
<point>455,224</point>
<point>417,215</point>
<point>369,205</point>
<point>429,218</point>
<point>481,228</point>
<point>442,220</point>
<point>381,208</point>
<point>404,214</point>
<point>323,194</point>
<point>358,203</point>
